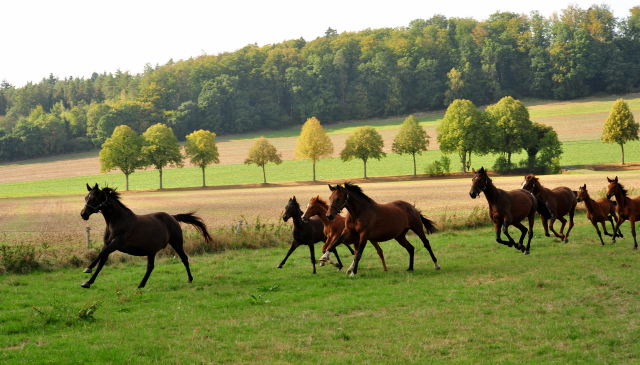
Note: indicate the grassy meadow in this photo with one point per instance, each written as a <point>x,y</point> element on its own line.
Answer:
<point>564,303</point>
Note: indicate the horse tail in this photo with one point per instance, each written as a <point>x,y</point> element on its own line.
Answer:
<point>195,221</point>
<point>428,224</point>
<point>543,209</point>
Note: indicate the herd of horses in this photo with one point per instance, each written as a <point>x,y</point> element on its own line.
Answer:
<point>366,221</point>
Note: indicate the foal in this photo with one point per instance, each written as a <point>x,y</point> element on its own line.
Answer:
<point>333,229</point>
<point>559,202</point>
<point>304,233</point>
<point>627,208</point>
<point>598,211</point>
<point>138,235</point>
<point>506,208</point>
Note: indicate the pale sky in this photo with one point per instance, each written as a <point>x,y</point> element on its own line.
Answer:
<point>76,38</point>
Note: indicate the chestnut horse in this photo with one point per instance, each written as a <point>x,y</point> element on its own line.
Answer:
<point>559,202</point>
<point>598,211</point>
<point>138,235</point>
<point>627,208</point>
<point>333,229</point>
<point>370,221</point>
<point>304,233</point>
<point>507,208</point>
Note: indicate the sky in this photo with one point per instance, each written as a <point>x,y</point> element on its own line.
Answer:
<point>76,38</point>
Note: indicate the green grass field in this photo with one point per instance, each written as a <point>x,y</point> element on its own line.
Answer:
<point>565,303</point>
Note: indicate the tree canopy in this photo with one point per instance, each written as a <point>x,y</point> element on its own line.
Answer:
<point>261,153</point>
<point>313,143</point>
<point>463,130</point>
<point>202,150</point>
<point>122,151</point>
<point>160,148</point>
<point>620,126</point>
<point>364,143</point>
<point>411,139</point>
<point>511,128</point>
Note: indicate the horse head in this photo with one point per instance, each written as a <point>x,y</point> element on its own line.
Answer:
<point>479,182</point>
<point>582,193</point>
<point>337,201</point>
<point>94,202</point>
<point>312,209</point>
<point>530,183</point>
<point>613,188</point>
<point>292,208</point>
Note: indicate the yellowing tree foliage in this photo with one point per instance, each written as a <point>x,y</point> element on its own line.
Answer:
<point>122,151</point>
<point>364,143</point>
<point>411,139</point>
<point>313,143</point>
<point>261,153</point>
<point>620,126</point>
<point>202,150</point>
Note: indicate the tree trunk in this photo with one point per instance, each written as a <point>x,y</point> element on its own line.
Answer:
<point>314,171</point>
<point>622,146</point>
<point>264,174</point>
<point>365,168</point>
<point>464,161</point>
<point>509,160</point>
<point>468,161</point>
<point>203,180</point>
<point>160,178</point>
<point>126,177</point>
<point>414,164</point>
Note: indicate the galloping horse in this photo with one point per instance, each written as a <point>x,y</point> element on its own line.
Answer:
<point>370,221</point>
<point>305,233</point>
<point>138,235</point>
<point>627,208</point>
<point>559,202</point>
<point>598,211</point>
<point>507,208</point>
<point>333,229</point>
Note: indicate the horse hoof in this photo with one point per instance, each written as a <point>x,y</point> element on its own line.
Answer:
<point>352,275</point>
<point>321,263</point>
<point>86,285</point>
<point>410,269</point>
<point>566,241</point>
<point>547,234</point>
<point>437,267</point>
<point>279,267</point>
<point>526,252</point>
<point>87,270</point>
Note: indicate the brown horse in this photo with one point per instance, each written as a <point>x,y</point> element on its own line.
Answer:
<point>507,208</point>
<point>333,229</point>
<point>370,221</point>
<point>305,233</point>
<point>138,235</point>
<point>598,211</point>
<point>627,208</point>
<point>559,202</point>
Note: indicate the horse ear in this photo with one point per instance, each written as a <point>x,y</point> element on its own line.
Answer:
<point>616,179</point>
<point>88,187</point>
<point>609,180</point>
<point>294,198</point>
<point>96,187</point>
<point>331,187</point>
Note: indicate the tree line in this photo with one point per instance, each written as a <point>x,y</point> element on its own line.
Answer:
<point>352,75</point>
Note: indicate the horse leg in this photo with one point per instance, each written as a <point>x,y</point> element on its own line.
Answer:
<point>380,254</point>
<point>617,228</point>
<point>95,262</point>
<point>350,249</point>
<point>356,261</point>
<point>632,221</point>
<point>402,240</point>
<point>313,257</point>
<point>571,213</point>
<point>185,260</point>
<point>339,264</point>
<point>551,222</point>
<point>532,218</point>
<point>150,260</point>
<point>102,259</point>
<point>613,226</point>
<point>505,230</point>
<point>293,247</point>
<point>595,224</point>
<point>498,227</point>
<point>522,229</point>
<point>324,250</point>
<point>335,243</point>
<point>545,225</point>
<point>425,242</point>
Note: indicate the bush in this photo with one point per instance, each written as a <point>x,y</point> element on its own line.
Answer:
<point>19,259</point>
<point>439,167</point>
<point>501,165</point>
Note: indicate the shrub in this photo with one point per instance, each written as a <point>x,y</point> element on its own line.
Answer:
<point>439,167</point>
<point>501,165</point>
<point>19,259</point>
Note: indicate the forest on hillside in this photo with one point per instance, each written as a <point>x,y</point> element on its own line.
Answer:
<point>339,76</point>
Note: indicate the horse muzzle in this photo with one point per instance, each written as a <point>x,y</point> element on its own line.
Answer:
<point>85,215</point>
<point>331,216</point>
<point>285,217</point>
<point>473,194</point>
<point>305,219</point>
<point>578,199</point>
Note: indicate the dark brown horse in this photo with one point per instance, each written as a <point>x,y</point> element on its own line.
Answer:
<point>305,233</point>
<point>370,221</point>
<point>138,235</point>
<point>626,207</point>
<point>559,202</point>
<point>507,208</point>
<point>598,211</point>
<point>333,229</point>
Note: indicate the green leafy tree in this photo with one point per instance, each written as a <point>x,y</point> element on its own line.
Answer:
<point>364,143</point>
<point>160,148</point>
<point>543,149</point>
<point>313,143</point>
<point>511,128</point>
<point>620,126</point>
<point>463,130</point>
<point>411,139</point>
<point>122,151</point>
<point>202,150</point>
<point>261,153</point>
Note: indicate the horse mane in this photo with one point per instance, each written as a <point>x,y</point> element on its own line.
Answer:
<point>532,176</point>
<point>356,190</point>
<point>623,190</point>
<point>115,196</point>
<point>320,201</point>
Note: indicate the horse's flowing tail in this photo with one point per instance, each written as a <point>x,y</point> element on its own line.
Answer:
<point>195,221</point>
<point>428,224</point>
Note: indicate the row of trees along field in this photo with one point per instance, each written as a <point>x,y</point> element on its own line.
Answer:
<point>353,75</point>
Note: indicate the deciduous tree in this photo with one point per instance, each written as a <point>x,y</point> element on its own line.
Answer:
<point>463,130</point>
<point>202,150</point>
<point>313,143</point>
<point>122,151</point>
<point>365,143</point>
<point>511,128</point>
<point>261,153</point>
<point>411,139</point>
<point>620,126</point>
<point>160,148</point>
